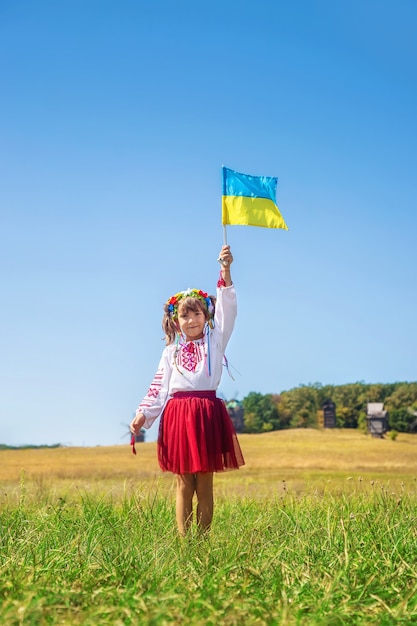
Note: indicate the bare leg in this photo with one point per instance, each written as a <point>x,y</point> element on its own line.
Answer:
<point>204,491</point>
<point>184,501</point>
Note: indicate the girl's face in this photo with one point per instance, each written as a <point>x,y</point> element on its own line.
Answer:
<point>191,322</point>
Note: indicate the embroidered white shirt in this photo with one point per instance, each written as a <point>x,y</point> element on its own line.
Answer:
<point>191,370</point>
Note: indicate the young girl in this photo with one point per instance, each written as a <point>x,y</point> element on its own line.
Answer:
<point>196,436</point>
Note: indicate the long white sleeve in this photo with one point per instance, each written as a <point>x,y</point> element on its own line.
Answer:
<point>154,402</point>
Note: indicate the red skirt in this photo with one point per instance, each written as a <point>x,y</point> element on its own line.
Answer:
<point>196,434</point>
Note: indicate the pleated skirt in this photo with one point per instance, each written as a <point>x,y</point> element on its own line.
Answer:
<point>196,434</point>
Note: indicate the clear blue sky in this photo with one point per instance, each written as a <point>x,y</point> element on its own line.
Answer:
<point>115,119</point>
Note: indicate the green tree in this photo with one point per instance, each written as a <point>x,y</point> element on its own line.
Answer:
<point>404,396</point>
<point>400,419</point>
<point>283,418</point>
<point>260,413</point>
<point>350,401</point>
<point>299,406</point>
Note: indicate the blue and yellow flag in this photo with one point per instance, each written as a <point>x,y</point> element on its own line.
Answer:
<point>250,200</point>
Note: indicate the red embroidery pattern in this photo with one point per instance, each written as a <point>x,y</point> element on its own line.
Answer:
<point>153,391</point>
<point>190,356</point>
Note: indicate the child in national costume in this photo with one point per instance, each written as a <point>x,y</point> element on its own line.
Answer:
<point>196,435</point>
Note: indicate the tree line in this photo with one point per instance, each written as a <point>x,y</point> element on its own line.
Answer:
<point>5,446</point>
<point>301,407</point>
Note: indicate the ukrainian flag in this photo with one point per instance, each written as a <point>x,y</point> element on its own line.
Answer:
<point>250,200</point>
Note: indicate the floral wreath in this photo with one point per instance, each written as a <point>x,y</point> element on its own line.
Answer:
<point>174,301</point>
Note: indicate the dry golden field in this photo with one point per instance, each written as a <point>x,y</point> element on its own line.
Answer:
<point>292,460</point>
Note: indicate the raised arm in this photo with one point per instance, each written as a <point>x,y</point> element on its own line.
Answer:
<point>226,307</point>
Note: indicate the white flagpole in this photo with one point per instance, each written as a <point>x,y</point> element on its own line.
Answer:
<point>224,263</point>
<point>224,235</point>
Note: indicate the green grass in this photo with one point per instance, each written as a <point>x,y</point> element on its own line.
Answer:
<point>311,558</point>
